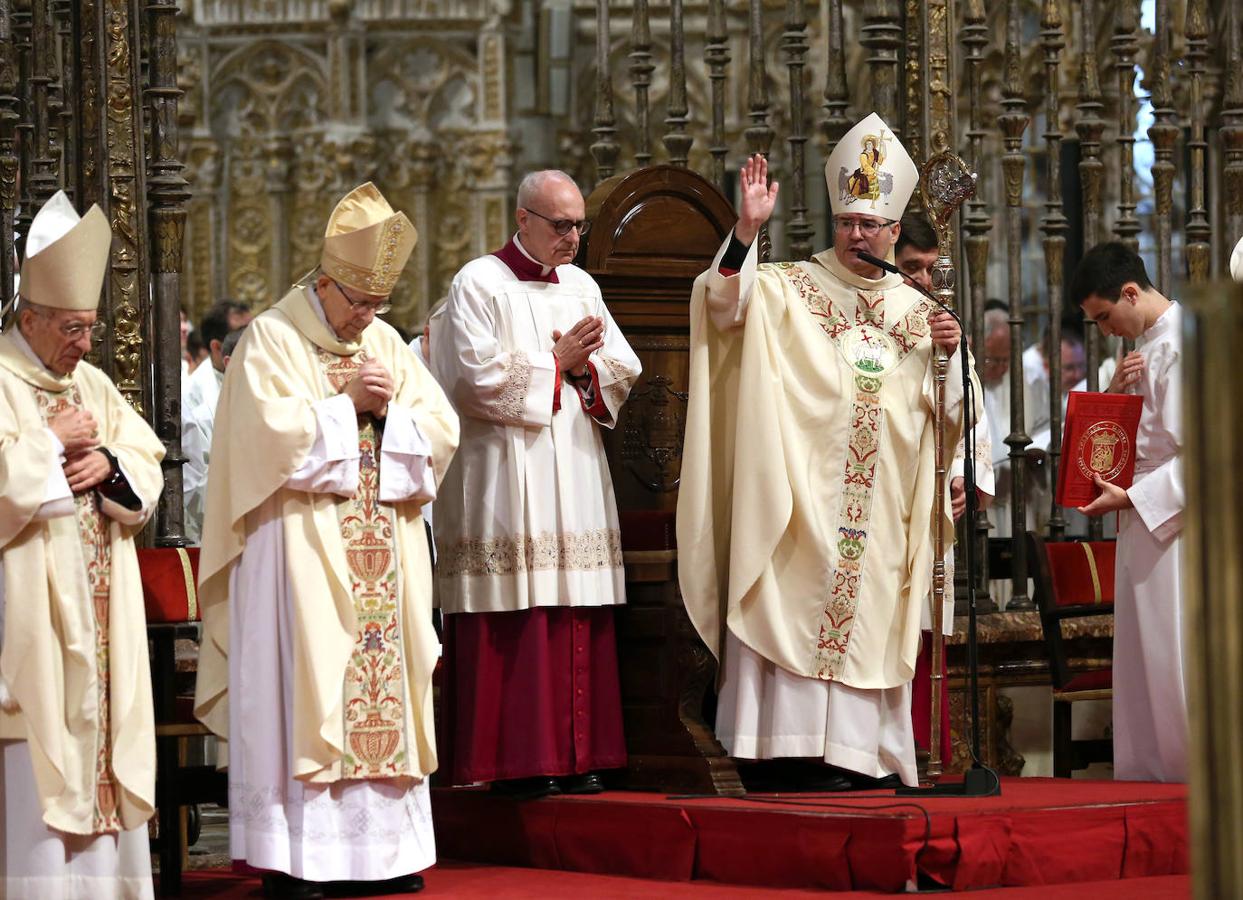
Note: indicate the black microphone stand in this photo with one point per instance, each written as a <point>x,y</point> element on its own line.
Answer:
<point>979,780</point>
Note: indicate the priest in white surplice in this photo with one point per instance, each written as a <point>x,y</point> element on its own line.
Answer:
<point>805,510</point>
<point>315,576</point>
<point>79,477</point>
<point>199,394</point>
<point>1112,286</point>
<point>527,540</point>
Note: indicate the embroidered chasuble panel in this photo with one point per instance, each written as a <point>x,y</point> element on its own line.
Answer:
<point>872,351</point>
<point>93,531</point>
<point>374,690</point>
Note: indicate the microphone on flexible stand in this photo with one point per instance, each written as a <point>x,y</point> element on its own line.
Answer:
<point>890,267</point>
<point>979,780</point>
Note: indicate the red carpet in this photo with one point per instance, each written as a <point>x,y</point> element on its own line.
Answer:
<point>475,882</point>
<point>1041,831</point>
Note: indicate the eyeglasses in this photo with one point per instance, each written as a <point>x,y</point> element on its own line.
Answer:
<point>75,330</point>
<point>563,226</point>
<point>867,227</point>
<point>362,306</point>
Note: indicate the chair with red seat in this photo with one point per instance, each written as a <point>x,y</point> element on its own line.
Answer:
<point>170,595</point>
<point>1073,579</point>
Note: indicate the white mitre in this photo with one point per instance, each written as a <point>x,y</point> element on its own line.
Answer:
<point>870,172</point>
<point>66,256</point>
<point>1236,261</point>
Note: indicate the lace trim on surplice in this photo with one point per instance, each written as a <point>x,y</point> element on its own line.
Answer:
<point>599,548</point>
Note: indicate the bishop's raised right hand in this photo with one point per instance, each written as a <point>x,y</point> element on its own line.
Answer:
<point>758,199</point>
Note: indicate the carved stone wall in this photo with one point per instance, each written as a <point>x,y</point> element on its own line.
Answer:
<point>290,104</point>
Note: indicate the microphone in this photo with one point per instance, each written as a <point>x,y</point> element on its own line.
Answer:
<point>890,267</point>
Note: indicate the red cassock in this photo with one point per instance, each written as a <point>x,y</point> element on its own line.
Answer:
<point>921,701</point>
<point>533,692</point>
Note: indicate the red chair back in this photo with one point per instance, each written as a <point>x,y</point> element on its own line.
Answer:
<point>1082,573</point>
<point>170,577</point>
<point>1073,579</point>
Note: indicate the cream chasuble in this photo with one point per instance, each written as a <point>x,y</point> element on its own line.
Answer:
<point>545,532</point>
<point>75,648</point>
<point>353,561</point>
<point>76,720</point>
<point>805,509</point>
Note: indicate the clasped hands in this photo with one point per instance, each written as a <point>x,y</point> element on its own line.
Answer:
<point>573,348</point>
<point>370,389</point>
<point>85,466</point>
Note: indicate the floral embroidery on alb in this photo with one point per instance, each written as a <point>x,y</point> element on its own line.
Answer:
<point>375,687</point>
<point>97,553</point>
<point>872,351</point>
<point>599,548</point>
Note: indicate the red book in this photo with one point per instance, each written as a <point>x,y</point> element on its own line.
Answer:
<point>1099,440</point>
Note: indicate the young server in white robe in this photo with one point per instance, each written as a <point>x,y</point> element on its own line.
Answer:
<point>1112,286</point>
<point>315,577</point>
<point>805,515</point>
<point>528,546</point>
<point>79,477</point>
<point>199,395</point>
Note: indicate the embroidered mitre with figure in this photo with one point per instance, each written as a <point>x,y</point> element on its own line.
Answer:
<point>870,172</point>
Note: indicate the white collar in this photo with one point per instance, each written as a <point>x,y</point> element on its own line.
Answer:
<point>319,311</point>
<point>543,270</point>
<point>20,340</point>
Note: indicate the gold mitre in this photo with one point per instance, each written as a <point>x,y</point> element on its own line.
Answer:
<point>66,256</point>
<point>870,172</point>
<point>366,244</point>
<point>1236,261</point>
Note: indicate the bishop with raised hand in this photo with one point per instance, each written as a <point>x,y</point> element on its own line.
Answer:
<point>805,514</point>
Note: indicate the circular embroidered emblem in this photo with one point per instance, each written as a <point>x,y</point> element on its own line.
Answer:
<point>869,350</point>
<point>1103,450</point>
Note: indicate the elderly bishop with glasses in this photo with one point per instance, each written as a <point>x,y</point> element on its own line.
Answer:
<point>527,541</point>
<point>315,576</point>
<point>79,477</point>
<point>805,514</point>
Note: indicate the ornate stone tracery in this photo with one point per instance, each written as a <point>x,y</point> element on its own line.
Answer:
<point>282,126</point>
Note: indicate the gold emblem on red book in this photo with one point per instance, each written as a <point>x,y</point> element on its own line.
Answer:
<point>1104,450</point>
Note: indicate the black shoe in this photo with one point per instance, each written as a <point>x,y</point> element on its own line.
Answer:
<point>830,782</point>
<point>793,776</point>
<point>589,783</point>
<point>527,788</point>
<point>280,886</point>
<point>403,884</point>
